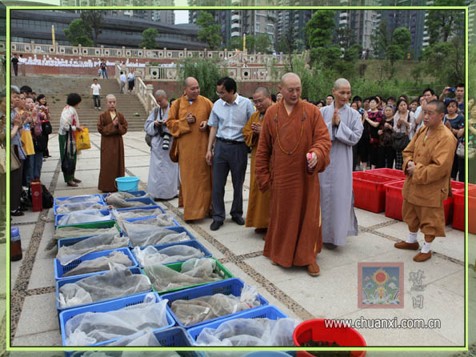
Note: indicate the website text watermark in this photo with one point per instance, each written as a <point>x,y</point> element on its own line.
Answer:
<point>381,323</point>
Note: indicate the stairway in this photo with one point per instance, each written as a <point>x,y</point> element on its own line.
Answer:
<point>57,89</point>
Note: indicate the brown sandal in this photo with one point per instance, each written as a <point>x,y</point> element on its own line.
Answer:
<point>72,183</point>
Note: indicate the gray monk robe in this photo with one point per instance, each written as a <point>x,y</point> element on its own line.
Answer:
<point>337,198</point>
<point>163,173</point>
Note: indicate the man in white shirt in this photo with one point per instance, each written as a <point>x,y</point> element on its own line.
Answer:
<point>123,79</point>
<point>96,92</point>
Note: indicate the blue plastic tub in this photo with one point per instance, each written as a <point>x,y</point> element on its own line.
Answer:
<point>174,337</point>
<point>104,212</point>
<point>133,193</point>
<point>105,307</point>
<point>127,183</point>
<point>60,270</point>
<point>192,243</point>
<point>61,282</point>
<point>269,311</point>
<point>142,208</point>
<point>96,197</point>
<point>227,287</point>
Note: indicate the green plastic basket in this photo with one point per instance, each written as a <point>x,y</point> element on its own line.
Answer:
<point>220,269</point>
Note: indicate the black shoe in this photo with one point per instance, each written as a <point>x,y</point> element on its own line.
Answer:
<point>238,220</point>
<point>330,246</point>
<point>215,225</point>
<point>16,213</point>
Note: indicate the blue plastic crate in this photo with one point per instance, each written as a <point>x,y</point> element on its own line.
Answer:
<point>174,337</point>
<point>141,208</point>
<point>175,223</point>
<point>269,312</point>
<point>227,287</point>
<point>133,193</point>
<point>73,207</point>
<point>106,307</point>
<point>60,270</point>
<point>70,241</point>
<point>61,282</point>
<point>192,243</point>
<point>78,198</point>
<point>104,213</point>
<point>93,225</point>
<point>177,229</point>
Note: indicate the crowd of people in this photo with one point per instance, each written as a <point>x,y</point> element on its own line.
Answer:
<point>302,157</point>
<point>30,128</point>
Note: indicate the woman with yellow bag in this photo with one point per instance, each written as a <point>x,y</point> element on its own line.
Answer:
<point>69,123</point>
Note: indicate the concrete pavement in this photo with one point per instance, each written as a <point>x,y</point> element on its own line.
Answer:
<point>334,294</point>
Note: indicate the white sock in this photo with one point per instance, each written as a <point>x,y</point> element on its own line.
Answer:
<point>426,247</point>
<point>412,237</point>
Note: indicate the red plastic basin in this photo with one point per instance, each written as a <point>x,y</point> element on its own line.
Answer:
<point>392,173</point>
<point>316,330</point>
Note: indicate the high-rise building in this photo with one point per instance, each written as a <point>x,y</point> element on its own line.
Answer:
<point>362,24</point>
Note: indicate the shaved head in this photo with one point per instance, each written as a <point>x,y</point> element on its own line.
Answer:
<point>341,82</point>
<point>289,77</point>
<point>264,91</point>
<point>190,81</point>
<point>192,88</point>
<point>290,88</point>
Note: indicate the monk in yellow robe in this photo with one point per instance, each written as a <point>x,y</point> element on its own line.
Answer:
<point>187,123</point>
<point>258,202</point>
<point>294,146</point>
<point>112,126</point>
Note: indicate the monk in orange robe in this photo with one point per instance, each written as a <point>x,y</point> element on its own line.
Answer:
<point>187,123</point>
<point>294,146</point>
<point>112,126</point>
<point>258,202</point>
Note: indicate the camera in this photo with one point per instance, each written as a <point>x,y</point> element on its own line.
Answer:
<point>451,89</point>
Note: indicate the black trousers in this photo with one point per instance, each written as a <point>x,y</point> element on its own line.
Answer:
<point>228,157</point>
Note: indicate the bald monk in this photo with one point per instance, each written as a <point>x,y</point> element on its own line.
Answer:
<point>187,123</point>
<point>258,202</point>
<point>112,126</point>
<point>294,146</point>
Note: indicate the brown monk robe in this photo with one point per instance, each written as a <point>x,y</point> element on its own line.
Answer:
<point>257,214</point>
<point>111,125</point>
<point>192,141</point>
<point>294,231</point>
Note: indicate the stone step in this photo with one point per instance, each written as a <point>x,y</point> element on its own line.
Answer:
<point>57,89</point>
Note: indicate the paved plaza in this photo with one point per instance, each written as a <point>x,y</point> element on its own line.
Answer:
<point>334,294</point>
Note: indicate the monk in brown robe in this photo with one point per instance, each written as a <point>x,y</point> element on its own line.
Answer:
<point>112,126</point>
<point>294,146</point>
<point>427,162</point>
<point>187,123</point>
<point>258,202</point>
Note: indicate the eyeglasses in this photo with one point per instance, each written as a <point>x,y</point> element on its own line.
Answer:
<point>220,94</point>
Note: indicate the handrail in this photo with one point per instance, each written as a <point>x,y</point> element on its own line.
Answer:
<point>145,94</point>
<point>231,56</point>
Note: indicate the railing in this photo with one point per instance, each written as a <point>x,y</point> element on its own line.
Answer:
<point>138,53</point>
<point>145,94</point>
<point>255,73</point>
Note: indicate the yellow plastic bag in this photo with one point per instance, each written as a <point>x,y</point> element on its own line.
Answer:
<point>82,139</point>
<point>27,142</point>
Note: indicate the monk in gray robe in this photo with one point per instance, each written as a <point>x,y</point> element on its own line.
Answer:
<point>163,173</point>
<point>337,199</point>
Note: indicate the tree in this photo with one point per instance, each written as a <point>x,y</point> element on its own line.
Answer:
<point>148,38</point>
<point>79,33</point>
<point>319,29</point>
<point>381,40</point>
<point>445,60</point>
<point>93,18</point>
<point>402,38</point>
<point>207,73</point>
<point>209,31</point>
<point>443,24</point>
<point>262,43</point>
